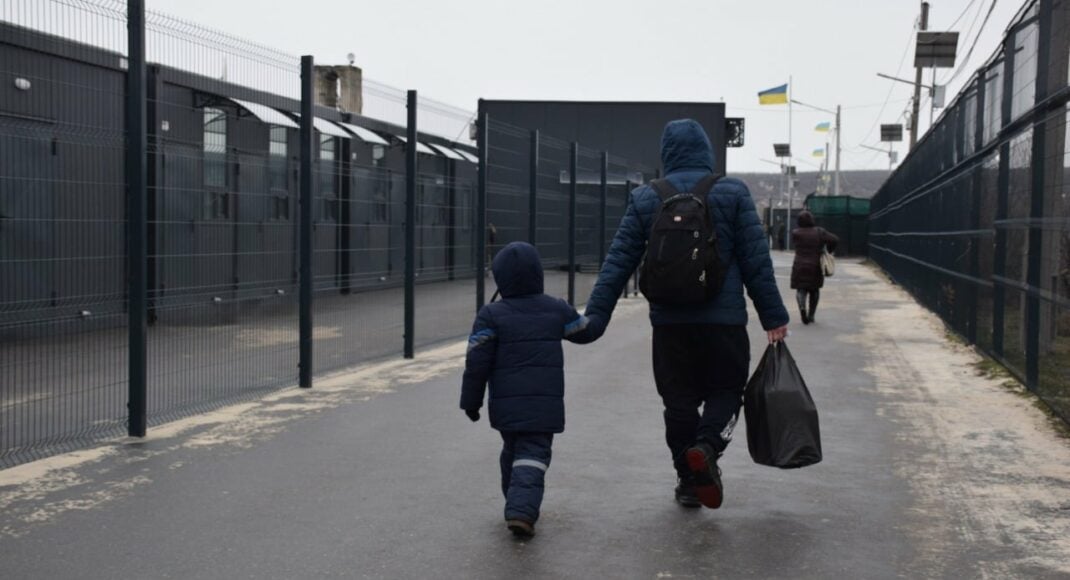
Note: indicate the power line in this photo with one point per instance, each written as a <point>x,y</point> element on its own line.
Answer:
<point>969,33</point>
<point>902,61</point>
<point>966,59</point>
<point>964,11</point>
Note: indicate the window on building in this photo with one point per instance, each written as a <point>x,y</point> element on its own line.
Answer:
<point>382,211</point>
<point>216,202</point>
<point>278,161</point>
<point>215,147</point>
<point>327,149</point>
<point>328,191</point>
<point>216,205</point>
<point>280,207</point>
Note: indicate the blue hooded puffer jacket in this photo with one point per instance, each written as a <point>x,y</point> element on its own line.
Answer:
<point>516,346</point>
<point>687,156</point>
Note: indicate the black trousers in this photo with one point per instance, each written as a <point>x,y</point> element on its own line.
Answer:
<point>800,297</point>
<point>700,367</point>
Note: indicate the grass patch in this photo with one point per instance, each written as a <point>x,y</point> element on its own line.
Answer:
<point>954,337</point>
<point>1057,424</point>
<point>991,369</point>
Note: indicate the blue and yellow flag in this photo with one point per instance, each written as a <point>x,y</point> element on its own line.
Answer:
<point>819,152</point>
<point>774,96</point>
<point>823,127</point>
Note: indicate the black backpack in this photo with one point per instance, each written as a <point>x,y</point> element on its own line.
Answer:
<point>682,265</point>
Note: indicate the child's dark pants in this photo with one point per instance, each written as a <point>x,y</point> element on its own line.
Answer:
<point>525,459</point>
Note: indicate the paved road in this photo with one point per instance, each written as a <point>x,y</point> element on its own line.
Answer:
<point>375,474</point>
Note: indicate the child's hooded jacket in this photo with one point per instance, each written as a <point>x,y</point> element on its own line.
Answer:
<point>516,346</point>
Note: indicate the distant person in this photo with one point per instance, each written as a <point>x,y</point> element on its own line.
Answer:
<point>515,346</point>
<point>781,237</point>
<point>807,276</point>
<point>701,348</point>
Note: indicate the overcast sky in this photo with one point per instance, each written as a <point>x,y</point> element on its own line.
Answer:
<point>673,50</point>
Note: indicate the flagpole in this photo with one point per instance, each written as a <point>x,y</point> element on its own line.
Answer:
<point>825,167</point>
<point>836,184</point>
<point>791,184</point>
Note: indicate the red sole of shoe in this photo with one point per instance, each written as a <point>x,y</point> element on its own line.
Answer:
<point>709,495</point>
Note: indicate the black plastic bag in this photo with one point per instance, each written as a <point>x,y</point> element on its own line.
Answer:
<point>782,427</point>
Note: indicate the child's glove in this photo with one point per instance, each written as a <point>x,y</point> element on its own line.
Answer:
<point>473,414</point>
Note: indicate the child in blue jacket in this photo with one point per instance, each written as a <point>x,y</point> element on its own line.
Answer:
<point>516,347</point>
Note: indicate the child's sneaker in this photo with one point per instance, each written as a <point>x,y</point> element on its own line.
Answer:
<point>702,460</point>
<point>521,528</point>
<point>685,493</point>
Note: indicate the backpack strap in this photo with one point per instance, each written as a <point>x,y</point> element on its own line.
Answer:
<point>705,184</point>
<point>664,188</point>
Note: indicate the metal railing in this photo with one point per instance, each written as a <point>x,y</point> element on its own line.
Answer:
<point>182,226</point>
<point>975,221</point>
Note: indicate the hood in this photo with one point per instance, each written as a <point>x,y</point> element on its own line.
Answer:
<point>685,145</point>
<point>518,270</point>
<point>805,219</point>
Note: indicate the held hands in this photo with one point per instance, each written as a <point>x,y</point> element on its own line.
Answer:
<point>778,334</point>
<point>596,326</point>
<point>473,414</point>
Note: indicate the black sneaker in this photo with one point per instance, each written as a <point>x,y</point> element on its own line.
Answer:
<point>521,528</point>
<point>702,461</point>
<point>685,493</point>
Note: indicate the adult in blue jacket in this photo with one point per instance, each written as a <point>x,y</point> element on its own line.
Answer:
<point>701,353</point>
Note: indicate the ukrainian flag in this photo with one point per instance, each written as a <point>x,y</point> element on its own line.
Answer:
<point>819,152</point>
<point>774,96</point>
<point>823,127</point>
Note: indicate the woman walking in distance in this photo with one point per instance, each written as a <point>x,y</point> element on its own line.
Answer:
<point>807,276</point>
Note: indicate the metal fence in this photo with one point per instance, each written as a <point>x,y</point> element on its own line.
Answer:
<point>183,224</point>
<point>975,221</point>
<point>845,216</point>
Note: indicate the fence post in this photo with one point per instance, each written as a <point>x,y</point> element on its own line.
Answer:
<point>481,208</point>
<point>573,161</point>
<point>999,263</point>
<point>533,187</point>
<point>604,191</point>
<point>627,200</point>
<point>304,233</point>
<point>451,222</point>
<point>344,227</point>
<point>975,220</point>
<point>1034,263</point>
<point>137,218</point>
<point>410,226</point>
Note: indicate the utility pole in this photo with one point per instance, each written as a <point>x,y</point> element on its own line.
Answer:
<point>932,100</point>
<point>836,176</point>
<point>916,105</point>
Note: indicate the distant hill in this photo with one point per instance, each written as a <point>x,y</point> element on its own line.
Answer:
<point>854,183</point>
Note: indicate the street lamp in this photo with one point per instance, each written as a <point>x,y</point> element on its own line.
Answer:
<point>782,152</point>
<point>836,179</point>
